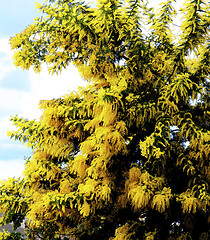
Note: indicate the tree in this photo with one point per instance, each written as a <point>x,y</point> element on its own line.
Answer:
<point>127,156</point>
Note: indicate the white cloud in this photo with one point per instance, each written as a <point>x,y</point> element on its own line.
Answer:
<point>5,125</point>
<point>45,86</point>
<point>49,86</point>
<point>42,85</point>
<point>5,47</point>
<point>13,100</point>
<point>6,65</point>
<point>11,168</point>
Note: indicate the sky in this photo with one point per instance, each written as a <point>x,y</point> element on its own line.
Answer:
<point>21,91</point>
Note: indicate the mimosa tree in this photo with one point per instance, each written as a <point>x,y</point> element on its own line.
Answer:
<point>127,156</point>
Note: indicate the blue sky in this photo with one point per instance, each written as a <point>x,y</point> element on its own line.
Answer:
<point>20,91</point>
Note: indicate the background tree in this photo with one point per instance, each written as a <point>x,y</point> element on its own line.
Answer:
<point>127,156</point>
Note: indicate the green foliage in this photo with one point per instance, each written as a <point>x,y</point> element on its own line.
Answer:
<point>127,157</point>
